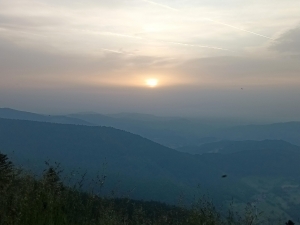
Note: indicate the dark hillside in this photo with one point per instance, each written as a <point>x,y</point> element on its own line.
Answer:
<point>131,156</point>
<point>272,162</point>
<point>143,169</point>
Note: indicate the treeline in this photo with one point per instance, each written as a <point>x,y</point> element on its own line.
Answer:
<point>27,200</point>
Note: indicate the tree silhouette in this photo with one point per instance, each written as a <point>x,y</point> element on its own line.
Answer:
<point>290,223</point>
<point>51,178</point>
<point>6,171</point>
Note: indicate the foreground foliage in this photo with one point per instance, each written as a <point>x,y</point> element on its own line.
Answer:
<point>27,200</point>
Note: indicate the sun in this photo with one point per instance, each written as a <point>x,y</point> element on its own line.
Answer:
<point>152,82</point>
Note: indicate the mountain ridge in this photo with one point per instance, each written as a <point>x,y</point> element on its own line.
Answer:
<point>8,113</point>
<point>227,146</point>
<point>153,171</point>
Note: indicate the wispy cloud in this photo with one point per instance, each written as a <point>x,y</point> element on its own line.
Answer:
<point>197,46</point>
<point>215,21</point>
<point>113,51</point>
<point>120,35</point>
<point>161,5</point>
<point>238,28</point>
<point>288,42</point>
<point>163,41</point>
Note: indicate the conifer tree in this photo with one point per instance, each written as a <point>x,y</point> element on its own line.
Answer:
<point>6,171</point>
<point>51,178</point>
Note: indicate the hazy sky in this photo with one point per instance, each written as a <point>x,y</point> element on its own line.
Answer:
<point>209,57</point>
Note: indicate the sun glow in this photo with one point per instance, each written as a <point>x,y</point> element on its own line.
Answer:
<point>152,82</point>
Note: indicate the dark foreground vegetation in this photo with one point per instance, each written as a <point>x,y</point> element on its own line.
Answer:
<point>27,200</point>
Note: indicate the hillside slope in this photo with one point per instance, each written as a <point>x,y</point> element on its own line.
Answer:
<point>7,113</point>
<point>157,169</point>
<point>151,171</point>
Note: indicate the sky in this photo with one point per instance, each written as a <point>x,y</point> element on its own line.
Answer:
<point>214,58</point>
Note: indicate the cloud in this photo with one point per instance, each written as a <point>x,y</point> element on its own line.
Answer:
<point>241,71</point>
<point>289,42</point>
<point>32,68</point>
<point>57,50</point>
<point>35,68</point>
<point>48,82</point>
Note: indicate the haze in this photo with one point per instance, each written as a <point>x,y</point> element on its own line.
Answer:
<point>210,58</point>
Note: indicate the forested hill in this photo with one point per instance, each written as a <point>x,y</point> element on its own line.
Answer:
<point>146,170</point>
<point>146,166</point>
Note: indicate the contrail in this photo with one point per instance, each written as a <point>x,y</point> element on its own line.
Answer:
<point>113,34</point>
<point>198,46</point>
<point>192,45</point>
<point>116,51</point>
<point>110,50</point>
<point>238,28</point>
<point>224,24</point>
<point>149,39</point>
<point>161,5</point>
<point>121,35</point>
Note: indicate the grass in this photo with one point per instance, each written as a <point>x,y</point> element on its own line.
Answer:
<point>29,200</point>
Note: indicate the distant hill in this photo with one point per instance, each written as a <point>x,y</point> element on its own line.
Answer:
<point>289,131</point>
<point>172,132</point>
<point>227,147</point>
<point>169,131</point>
<point>140,116</point>
<point>150,171</point>
<point>7,113</point>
